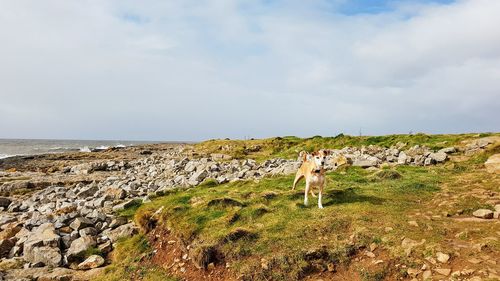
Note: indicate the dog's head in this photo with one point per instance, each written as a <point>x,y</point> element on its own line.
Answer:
<point>317,158</point>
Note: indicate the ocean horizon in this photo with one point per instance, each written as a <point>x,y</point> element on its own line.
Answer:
<point>22,147</point>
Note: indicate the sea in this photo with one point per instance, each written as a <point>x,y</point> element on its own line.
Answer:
<point>16,147</point>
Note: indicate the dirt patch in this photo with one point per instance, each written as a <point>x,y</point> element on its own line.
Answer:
<point>225,202</point>
<point>171,255</point>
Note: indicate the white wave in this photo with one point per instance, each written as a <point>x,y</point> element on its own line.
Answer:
<point>120,146</point>
<point>2,156</point>
<point>85,149</point>
<point>102,147</point>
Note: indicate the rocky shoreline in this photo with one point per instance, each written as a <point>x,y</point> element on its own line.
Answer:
<point>65,215</point>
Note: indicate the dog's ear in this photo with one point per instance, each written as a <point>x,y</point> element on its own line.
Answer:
<point>326,152</point>
<point>303,155</point>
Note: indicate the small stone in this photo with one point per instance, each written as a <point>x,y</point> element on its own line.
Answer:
<point>93,261</point>
<point>474,260</point>
<point>369,254</point>
<point>373,247</point>
<point>413,223</point>
<point>105,247</point>
<point>388,229</point>
<point>442,257</point>
<point>497,207</point>
<point>264,264</point>
<point>413,272</point>
<point>80,223</point>
<point>443,271</point>
<point>483,214</point>
<point>330,267</point>
<point>427,275</point>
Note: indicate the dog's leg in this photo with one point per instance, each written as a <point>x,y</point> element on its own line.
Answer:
<point>320,195</point>
<point>298,176</point>
<point>312,193</point>
<point>306,202</point>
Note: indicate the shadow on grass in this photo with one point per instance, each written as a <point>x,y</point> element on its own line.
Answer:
<point>349,195</point>
<point>337,197</point>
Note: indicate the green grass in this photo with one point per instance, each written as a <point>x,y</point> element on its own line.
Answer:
<point>247,221</point>
<point>275,228</point>
<point>288,147</point>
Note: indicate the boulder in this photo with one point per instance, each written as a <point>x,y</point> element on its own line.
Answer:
<point>448,150</point>
<point>105,247</point>
<point>366,161</point>
<point>5,246</point>
<point>88,231</point>
<point>117,221</point>
<point>122,231</point>
<point>402,158</point>
<point>42,246</point>
<point>115,193</point>
<point>88,191</point>
<point>442,257</point>
<point>47,256</point>
<point>439,157</point>
<point>493,164</point>
<point>126,204</point>
<point>198,177</point>
<point>91,262</point>
<point>483,214</point>
<point>79,247</point>
<point>5,202</point>
<point>13,263</point>
<point>80,223</point>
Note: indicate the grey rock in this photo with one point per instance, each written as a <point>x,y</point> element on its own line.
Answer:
<point>483,214</point>
<point>79,247</point>
<point>439,157</point>
<point>126,204</point>
<point>93,261</point>
<point>88,231</point>
<point>366,161</point>
<point>80,222</point>
<point>5,202</point>
<point>6,246</point>
<point>45,256</point>
<point>117,221</point>
<point>197,177</point>
<point>88,191</point>
<point>105,247</point>
<point>42,246</point>
<point>448,150</point>
<point>122,231</point>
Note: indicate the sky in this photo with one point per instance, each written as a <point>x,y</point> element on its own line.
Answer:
<point>194,70</point>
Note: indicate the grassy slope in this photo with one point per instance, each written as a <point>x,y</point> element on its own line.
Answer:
<point>282,231</point>
<point>288,147</point>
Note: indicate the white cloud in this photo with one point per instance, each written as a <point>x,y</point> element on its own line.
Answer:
<point>200,69</point>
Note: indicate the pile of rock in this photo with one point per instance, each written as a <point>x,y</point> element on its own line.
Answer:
<point>56,227</point>
<point>373,156</point>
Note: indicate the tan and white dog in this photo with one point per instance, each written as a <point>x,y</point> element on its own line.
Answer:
<point>313,170</point>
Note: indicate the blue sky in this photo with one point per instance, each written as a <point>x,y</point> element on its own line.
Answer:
<point>355,7</point>
<point>193,70</point>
